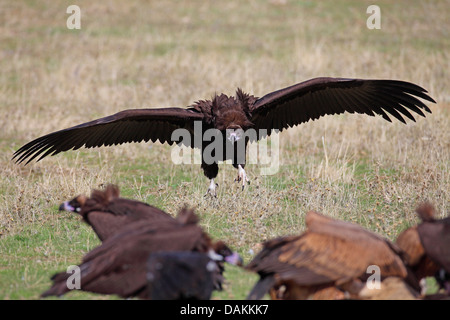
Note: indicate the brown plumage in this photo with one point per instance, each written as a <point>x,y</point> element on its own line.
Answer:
<point>328,261</point>
<point>107,213</point>
<point>427,246</point>
<point>119,265</point>
<point>277,110</point>
<point>392,288</point>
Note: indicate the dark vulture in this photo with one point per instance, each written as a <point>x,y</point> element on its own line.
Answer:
<point>330,260</point>
<point>427,247</point>
<point>120,264</point>
<point>106,212</point>
<point>183,275</point>
<point>236,120</point>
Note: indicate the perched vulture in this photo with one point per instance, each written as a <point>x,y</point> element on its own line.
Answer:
<point>331,260</point>
<point>223,126</point>
<point>427,246</point>
<point>119,265</point>
<point>183,275</point>
<point>107,213</point>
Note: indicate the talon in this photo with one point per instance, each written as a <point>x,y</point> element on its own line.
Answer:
<point>212,189</point>
<point>242,176</point>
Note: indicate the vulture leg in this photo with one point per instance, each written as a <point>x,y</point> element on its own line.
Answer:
<point>242,176</point>
<point>212,189</point>
<point>211,171</point>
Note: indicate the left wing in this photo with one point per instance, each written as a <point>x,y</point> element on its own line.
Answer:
<point>133,125</point>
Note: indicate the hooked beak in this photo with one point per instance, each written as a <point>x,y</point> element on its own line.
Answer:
<point>234,259</point>
<point>65,206</point>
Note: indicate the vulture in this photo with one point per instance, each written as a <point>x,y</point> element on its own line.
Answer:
<point>222,127</point>
<point>427,246</point>
<point>183,275</point>
<point>331,260</point>
<point>106,212</point>
<point>120,264</point>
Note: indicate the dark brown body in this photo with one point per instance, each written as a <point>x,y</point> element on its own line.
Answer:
<point>278,110</point>
<point>427,246</point>
<point>119,265</point>
<point>107,213</point>
<point>181,275</point>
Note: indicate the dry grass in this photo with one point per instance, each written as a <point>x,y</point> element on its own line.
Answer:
<point>149,54</point>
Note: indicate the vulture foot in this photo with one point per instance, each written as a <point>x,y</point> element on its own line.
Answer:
<point>242,176</point>
<point>212,189</point>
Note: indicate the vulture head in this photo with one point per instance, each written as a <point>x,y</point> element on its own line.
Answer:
<point>74,205</point>
<point>107,213</point>
<point>221,252</point>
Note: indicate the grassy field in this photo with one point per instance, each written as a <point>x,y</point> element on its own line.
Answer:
<point>140,54</point>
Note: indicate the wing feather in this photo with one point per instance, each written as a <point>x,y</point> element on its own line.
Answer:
<point>134,125</point>
<point>330,251</point>
<point>318,97</point>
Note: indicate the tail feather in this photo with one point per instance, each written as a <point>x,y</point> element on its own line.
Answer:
<point>426,212</point>
<point>59,286</point>
<point>261,288</point>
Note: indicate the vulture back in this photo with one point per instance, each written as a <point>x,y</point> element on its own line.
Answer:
<point>181,276</point>
<point>107,213</point>
<point>328,253</point>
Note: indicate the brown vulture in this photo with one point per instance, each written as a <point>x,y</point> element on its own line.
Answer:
<point>427,246</point>
<point>106,212</point>
<point>330,260</point>
<point>119,265</point>
<point>233,121</point>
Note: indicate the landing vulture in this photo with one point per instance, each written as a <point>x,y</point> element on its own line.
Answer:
<point>427,246</point>
<point>107,213</point>
<point>236,120</point>
<point>120,264</point>
<point>332,259</point>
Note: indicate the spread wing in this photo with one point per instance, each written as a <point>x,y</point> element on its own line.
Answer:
<point>133,125</point>
<point>317,97</point>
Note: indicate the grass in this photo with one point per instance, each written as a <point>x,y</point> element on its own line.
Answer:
<point>142,54</point>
